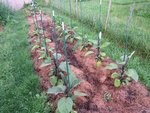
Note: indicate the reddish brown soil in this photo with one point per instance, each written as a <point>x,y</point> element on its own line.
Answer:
<point>102,97</point>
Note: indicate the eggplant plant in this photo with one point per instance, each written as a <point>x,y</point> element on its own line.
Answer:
<point>100,50</point>
<point>125,76</point>
<point>66,103</point>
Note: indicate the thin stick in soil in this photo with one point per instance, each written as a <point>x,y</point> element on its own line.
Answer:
<point>46,49</point>
<point>37,27</point>
<point>56,43</point>
<point>66,56</point>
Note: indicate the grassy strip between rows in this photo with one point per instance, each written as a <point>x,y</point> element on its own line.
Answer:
<point>141,65</point>
<point>19,85</point>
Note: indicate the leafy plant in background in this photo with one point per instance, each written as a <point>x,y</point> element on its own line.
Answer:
<point>125,76</point>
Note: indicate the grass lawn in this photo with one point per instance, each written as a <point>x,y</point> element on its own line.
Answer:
<point>19,85</point>
<point>139,32</point>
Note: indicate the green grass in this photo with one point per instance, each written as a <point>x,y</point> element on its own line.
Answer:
<point>5,14</point>
<point>138,63</point>
<point>139,35</point>
<point>19,85</point>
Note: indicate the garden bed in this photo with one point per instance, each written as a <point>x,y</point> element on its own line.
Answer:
<point>102,96</point>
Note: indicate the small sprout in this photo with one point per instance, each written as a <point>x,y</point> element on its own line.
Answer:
<point>53,80</point>
<point>117,83</point>
<point>98,63</point>
<point>115,75</point>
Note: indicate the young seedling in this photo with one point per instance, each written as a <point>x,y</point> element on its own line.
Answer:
<point>125,76</point>
<point>100,54</point>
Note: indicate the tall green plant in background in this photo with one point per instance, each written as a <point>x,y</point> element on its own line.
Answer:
<point>5,14</point>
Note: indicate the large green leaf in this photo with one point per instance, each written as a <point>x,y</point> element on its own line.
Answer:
<point>65,105</point>
<point>117,83</point>
<point>112,66</point>
<point>133,74</point>
<point>56,89</point>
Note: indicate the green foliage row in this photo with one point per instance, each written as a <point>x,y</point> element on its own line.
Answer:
<point>5,14</point>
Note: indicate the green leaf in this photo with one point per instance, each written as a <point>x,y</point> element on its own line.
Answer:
<point>51,49</point>
<point>58,55</point>
<point>115,75</point>
<point>79,38</point>
<point>77,93</point>
<point>102,54</point>
<point>104,45</point>
<point>65,105</point>
<point>98,63</point>
<point>117,83</point>
<point>35,47</point>
<point>131,54</point>
<point>46,62</point>
<point>56,89</point>
<point>74,111</point>
<point>122,58</point>
<point>89,53</point>
<point>48,40</point>
<point>71,40</point>
<point>67,36</point>
<point>94,42</point>
<point>63,67</point>
<point>133,74</point>
<point>112,66</point>
<point>53,80</point>
<point>60,82</point>
<point>42,55</point>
